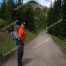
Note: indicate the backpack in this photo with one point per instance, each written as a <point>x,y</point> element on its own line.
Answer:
<point>14,33</point>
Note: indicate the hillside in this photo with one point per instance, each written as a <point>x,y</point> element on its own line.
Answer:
<point>35,4</point>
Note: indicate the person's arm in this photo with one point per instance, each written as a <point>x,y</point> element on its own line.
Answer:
<point>20,36</point>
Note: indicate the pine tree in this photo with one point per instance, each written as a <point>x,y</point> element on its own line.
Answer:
<point>64,19</point>
<point>55,15</point>
<point>30,18</point>
<point>10,5</point>
<point>3,9</point>
<point>20,2</point>
<point>50,18</point>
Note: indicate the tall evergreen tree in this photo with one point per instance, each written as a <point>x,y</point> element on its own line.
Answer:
<point>56,14</point>
<point>3,9</point>
<point>64,19</point>
<point>50,18</point>
<point>20,2</point>
<point>30,18</point>
<point>10,6</point>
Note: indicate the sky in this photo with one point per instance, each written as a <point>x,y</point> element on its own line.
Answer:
<point>42,2</point>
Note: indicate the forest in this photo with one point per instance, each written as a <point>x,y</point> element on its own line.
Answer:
<point>37,18</point>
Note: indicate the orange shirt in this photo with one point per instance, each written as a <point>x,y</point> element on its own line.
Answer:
<point>22,33</point>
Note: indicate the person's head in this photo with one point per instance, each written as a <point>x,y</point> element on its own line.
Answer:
<point>22,24</point>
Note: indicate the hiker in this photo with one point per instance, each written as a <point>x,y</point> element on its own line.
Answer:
<point>20,36</point>
<point>20,42</point>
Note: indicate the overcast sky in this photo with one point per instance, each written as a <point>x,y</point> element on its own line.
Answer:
<point>42,2</point>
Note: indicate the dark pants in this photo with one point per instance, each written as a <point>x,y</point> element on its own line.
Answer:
<point>20,50</point>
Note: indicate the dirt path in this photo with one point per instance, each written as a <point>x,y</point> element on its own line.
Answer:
<point>41,51</point>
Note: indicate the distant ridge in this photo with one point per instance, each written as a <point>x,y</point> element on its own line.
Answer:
<point>35,4</point>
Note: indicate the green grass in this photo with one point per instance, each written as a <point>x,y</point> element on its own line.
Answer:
<point>7,43</point>
<point>61,43</point>
<point>30,36</point>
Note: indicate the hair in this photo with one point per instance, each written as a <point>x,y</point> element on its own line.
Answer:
<point>20,22</point>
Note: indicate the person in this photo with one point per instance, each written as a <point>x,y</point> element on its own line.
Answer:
<point>18,33</point>
<point>20,42</point>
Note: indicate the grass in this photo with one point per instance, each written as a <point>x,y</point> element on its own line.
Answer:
<point>7,44</point>
<point>61,43</point>
<point>30,36</point>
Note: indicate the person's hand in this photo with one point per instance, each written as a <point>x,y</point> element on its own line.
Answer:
<point>20,36</point>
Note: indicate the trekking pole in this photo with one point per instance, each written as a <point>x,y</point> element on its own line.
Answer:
<point>4,28</point>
